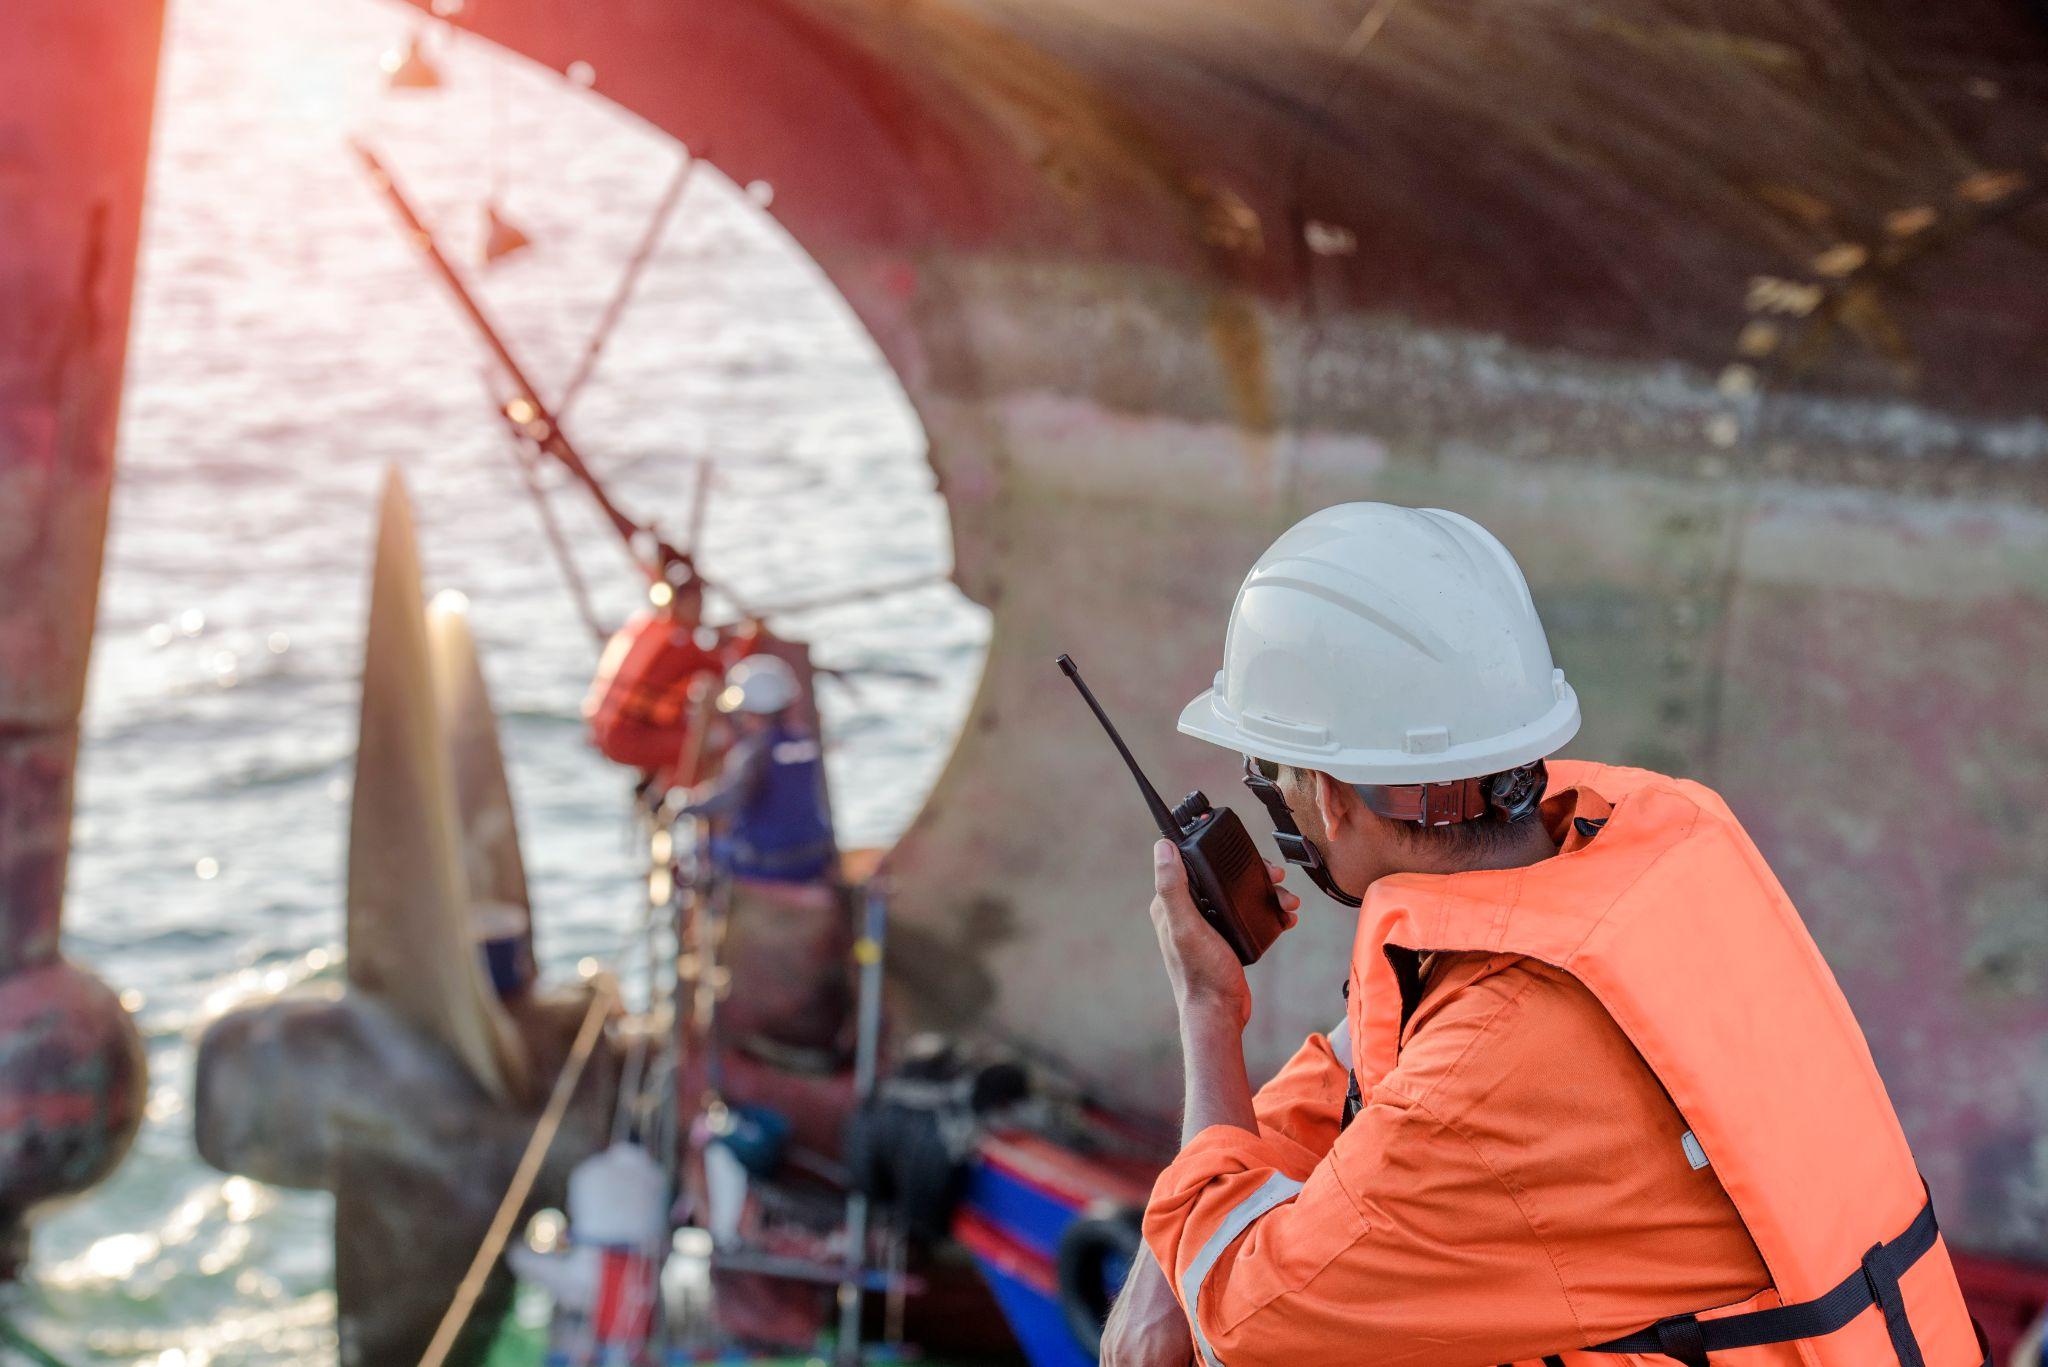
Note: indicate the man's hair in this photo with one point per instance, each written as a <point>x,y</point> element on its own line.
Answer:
<point>1481,835</point>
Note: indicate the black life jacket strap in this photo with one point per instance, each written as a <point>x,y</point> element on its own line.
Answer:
<point>1689,1339</point>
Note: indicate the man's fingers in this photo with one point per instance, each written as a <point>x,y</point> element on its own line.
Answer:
<point>1276,872</point>
<point>1288,901</point>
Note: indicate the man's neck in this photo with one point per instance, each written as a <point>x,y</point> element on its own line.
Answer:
<point>1531,845</point>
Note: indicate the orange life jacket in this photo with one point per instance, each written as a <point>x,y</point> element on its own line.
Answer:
<point>1671,919</point>
<point>638,708</point>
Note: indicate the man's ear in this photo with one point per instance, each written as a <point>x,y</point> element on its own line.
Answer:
<point>1334,804</point>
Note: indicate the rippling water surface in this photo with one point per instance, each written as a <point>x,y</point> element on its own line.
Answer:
<point>287,347</point>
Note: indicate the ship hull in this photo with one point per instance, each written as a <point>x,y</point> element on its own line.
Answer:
<point>1646,298</point>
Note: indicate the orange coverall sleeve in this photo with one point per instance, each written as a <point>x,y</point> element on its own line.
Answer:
<point>1400,1248</point>
<point>1304,1102</point>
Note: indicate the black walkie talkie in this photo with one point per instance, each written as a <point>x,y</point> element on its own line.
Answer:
<point>1225,873</point>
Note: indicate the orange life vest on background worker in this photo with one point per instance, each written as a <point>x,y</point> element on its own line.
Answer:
<point>638,708</point>
<point>1662,908</point>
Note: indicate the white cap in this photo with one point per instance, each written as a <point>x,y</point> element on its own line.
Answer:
<point>1385,645</point>
<point>760,684</point>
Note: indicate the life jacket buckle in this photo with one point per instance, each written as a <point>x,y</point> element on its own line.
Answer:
<point>1682,1339</point>
<point>1881,1273</point>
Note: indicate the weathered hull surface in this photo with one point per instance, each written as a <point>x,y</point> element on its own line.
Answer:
<point>77,82</point>
<point>1161,275</point>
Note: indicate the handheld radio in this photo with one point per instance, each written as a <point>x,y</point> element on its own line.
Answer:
<point>1225,873</point>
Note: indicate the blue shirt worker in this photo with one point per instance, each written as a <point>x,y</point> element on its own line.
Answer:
<point>768,804</point>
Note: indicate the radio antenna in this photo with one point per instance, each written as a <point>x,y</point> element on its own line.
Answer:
<point>1168,827</point>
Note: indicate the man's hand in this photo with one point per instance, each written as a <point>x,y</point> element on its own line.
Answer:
<point>1146,1327</point>
<point>1202,967</point>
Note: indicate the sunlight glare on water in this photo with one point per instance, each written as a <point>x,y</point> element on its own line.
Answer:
<point>287,345</point>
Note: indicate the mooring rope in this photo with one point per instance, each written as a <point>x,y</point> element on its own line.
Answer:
<point>839,598</point>
<point>26,1346</point>
<point>604,992</point>
<point>622,293</point>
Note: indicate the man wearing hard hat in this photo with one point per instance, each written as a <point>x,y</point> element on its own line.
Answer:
<point>1595,1097</point>
<point>770,798</point>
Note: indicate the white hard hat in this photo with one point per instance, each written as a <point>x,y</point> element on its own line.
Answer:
<point>760,684</point>
<point>1386,645</point>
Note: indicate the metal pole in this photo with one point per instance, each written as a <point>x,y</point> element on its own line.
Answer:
<point>700,502</point>
<point>525,410</point>
<point>867,952</point>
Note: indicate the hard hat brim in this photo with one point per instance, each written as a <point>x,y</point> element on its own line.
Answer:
<point>1207,718</point>
<point>736,701</point>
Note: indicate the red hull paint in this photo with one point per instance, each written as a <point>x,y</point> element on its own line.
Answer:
<point>80,79</point>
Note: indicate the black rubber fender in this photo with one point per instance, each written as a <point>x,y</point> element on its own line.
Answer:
<point>1093,1250</point>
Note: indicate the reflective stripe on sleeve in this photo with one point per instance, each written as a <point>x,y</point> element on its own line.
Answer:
<point>1277,1188</point>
